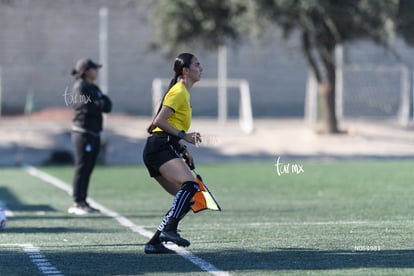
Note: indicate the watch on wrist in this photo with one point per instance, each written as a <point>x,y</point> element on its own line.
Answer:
<point>181,134</point>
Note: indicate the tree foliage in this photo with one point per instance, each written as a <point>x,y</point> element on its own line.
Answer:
<point>405,21</point>
<point>332,21</point>
<point>196,23</point>
<point>323,24</point>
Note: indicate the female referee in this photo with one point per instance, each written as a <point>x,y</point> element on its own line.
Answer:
<point>164,151</point>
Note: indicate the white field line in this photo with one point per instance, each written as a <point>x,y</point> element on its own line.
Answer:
<point>338,222</point>
<point>371,223</point>
<point>311,223</point>
<point>204,265</point>
<point>37,258</point>
<point>8,212</point>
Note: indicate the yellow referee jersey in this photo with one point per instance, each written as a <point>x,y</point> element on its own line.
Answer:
<point>178,99</point>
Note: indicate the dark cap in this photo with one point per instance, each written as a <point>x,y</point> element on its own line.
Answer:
<point>84,64</point>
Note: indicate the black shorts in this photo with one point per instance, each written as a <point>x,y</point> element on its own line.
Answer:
<point>160,148</point>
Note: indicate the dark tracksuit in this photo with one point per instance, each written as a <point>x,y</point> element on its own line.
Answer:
<point>88,103</point>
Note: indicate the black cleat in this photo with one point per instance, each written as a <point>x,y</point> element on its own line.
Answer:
<point>173,236</point>
<point>157,249</point>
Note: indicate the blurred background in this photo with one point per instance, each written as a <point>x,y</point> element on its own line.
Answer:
<point>319,67</point>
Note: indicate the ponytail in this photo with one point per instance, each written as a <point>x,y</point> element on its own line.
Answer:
<point>173,81</point>
<point>182,61</point>
<point>77,74</point>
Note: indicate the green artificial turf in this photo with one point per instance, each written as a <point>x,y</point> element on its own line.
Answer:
<point>340,218</point>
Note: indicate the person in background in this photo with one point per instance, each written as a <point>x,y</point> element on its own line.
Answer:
<point>88,103</point>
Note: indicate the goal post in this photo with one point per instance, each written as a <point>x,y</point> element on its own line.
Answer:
<point>245,105</point>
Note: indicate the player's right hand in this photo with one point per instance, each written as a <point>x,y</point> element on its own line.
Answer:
<point>188,159</point>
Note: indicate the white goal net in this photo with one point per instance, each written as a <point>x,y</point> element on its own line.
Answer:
<point>365,91</point>
<point>376,91</point>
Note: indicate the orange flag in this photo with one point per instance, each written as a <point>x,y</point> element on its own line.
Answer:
<point>204,199</point>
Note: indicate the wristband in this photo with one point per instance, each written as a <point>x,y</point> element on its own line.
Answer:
<point>181,134</point>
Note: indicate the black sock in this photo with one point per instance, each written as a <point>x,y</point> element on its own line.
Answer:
<point>156,237</point>
<point>181,205</point>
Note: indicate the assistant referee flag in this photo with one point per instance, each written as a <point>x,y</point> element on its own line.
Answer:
<point>204,199</point>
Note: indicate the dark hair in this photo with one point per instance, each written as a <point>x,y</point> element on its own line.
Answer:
<point>77,75</point>
<point>181,61</point>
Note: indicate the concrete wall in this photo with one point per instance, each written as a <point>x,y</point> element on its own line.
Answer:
<point>41,40</point>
